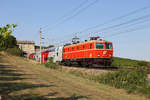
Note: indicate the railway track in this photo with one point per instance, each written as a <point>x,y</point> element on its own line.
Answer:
<point>103,69</point>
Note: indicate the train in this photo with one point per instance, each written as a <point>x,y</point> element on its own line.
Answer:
<point>88,53</point>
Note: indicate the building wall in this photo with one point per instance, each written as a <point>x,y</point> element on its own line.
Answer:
<point>27,46</point>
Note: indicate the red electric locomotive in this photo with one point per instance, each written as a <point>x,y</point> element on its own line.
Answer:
<point>98,52</point>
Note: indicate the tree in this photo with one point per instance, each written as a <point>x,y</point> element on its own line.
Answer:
<point>6,39</point>
<point>50,46</point>
<point>10,41</point>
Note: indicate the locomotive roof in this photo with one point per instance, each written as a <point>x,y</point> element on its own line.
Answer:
<point>100,41</point>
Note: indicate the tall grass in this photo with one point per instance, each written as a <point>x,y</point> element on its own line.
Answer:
<point>134,81</point>
<point>52,65</point>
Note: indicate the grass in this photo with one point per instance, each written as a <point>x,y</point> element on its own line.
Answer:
<point>32,81</point>
<point>52,65</point>
<point>128,63</point>
<point>15,51</point>
<point>133,81</point>
<point>1,58</point>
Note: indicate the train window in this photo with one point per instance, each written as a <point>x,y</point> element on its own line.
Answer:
<point>99,45</point>
<point>90,46</point>
<point>72,48</point>
<point>108,46</point>
<point>83,46</point>
<point>64,50</point>
<point>78,47</point>
<point>68,49</point>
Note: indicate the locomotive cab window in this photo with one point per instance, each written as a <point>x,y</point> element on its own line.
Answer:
<point>99,45</point>
<point>108,46</point>
<point>90,46</point>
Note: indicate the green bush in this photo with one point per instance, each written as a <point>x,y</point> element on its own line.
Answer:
<point>52,65</point>
<point>15,51</point>
<point>2,49</point>
<point>142,63</point>
<point>127,63</point>
<point>132,81</point>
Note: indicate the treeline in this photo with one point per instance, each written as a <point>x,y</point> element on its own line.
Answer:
<point>7,41</point>
<point>44,47</point>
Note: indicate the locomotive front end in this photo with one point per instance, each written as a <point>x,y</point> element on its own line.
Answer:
<point>104,53</point>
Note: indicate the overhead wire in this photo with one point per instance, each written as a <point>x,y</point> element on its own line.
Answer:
<point>81,10</point>
<point>72,11</point>
<point>126,23</point>
<point>141,19</point>
<point>112,20</point>
<point>75,14</point>
<point>129,30</point>
<point>140,22</point>
<point>117,18</point>
<point>128,26</point>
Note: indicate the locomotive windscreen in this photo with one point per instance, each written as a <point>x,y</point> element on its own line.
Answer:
<point>99,45</point>
<point>108,46</point>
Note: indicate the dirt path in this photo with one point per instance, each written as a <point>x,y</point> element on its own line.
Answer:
<point>20,79</point>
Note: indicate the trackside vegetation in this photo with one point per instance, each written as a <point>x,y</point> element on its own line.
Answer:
<point>128,63</point>
<point>27,80</point>
<point>52,65</point>
<point>133,81</point>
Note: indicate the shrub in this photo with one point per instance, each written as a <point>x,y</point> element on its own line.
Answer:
<point>52,65</point>
<point>132,81</point>
<point>15,51</point>
<point>2,49</point>
<point>142,63</point>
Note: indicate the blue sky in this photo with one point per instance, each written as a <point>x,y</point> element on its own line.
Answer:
<point>30,15</point>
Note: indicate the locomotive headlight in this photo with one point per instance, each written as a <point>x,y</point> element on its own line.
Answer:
<point>104,52</point>
<point>110,55</point>
<point>98,55</point>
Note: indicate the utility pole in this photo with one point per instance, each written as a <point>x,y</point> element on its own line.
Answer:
<point>40,44</point>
